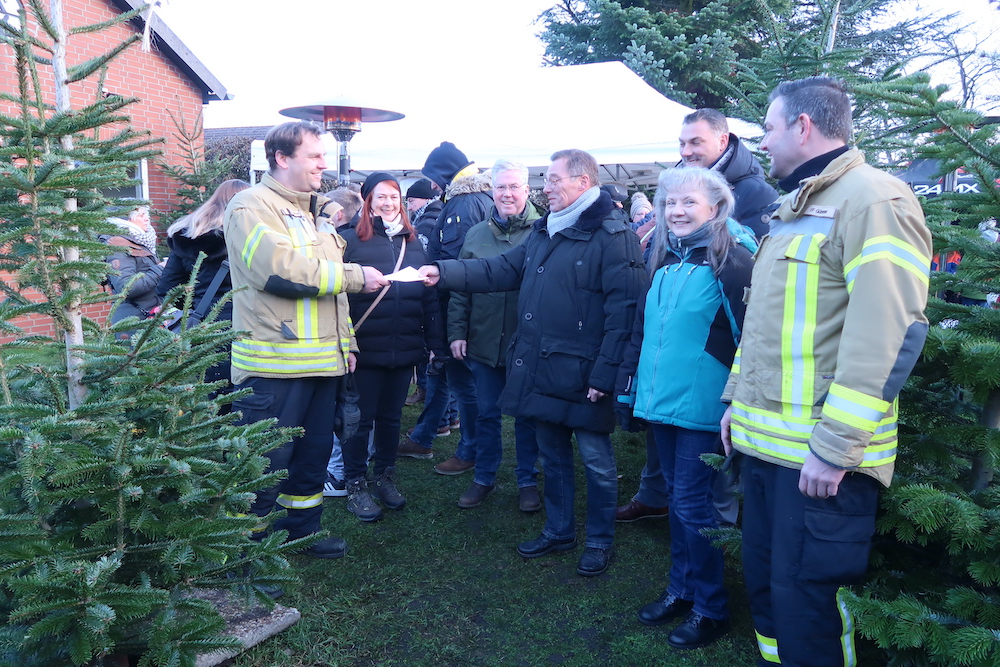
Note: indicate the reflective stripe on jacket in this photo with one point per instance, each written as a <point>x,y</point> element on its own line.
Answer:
<point>295,305</point>
<point>834,322</point>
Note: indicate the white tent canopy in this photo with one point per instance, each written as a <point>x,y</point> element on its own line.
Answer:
<point>603,108</point>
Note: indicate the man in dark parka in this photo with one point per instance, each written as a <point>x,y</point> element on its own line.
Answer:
<point>580,274</point>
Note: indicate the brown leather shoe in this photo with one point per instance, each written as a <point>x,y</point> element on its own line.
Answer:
<point>413,450</point>
<point>454,466</point>
<point>528,499</point>
<point>418,396</point>
<point>475,495</point>
<point>442,430</point>
<point>636,510</point>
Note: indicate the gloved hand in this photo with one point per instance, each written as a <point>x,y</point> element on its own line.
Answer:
<point>628,421</point>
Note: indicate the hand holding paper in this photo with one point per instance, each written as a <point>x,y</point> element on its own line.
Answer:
<point>407,274</point>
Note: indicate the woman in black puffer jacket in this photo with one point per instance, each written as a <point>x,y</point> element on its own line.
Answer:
<point>201,231</point>
<point>396,335</point>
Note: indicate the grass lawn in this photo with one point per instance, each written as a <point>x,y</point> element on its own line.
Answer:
<point>434,585</point>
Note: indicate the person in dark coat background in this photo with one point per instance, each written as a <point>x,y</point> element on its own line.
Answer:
<point>706,141</point>
<point>134,254</point>
<point>201,232</point>
<point>402,323</point>
<point>467,201</point>
<point>580,274</point>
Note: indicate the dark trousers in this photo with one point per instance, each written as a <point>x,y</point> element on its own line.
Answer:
<point>305,402</point>
<point>383,392</point>
<point>798,553</point>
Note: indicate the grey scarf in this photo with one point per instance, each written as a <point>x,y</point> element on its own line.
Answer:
<point>567,217</point>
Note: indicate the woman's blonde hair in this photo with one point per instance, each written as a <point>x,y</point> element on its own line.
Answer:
<point>209,216</point>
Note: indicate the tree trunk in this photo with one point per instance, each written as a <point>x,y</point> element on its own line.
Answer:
<point>74,310</point>
<point>982,472</point>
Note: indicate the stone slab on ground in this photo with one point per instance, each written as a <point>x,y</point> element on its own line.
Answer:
<point>251,625</point>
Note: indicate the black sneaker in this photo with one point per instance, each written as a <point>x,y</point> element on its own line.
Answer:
<point>360,501</point>
<point>697,631</point>
<point>334,488</point>
<point>387,491</point>
<point>331,547</point>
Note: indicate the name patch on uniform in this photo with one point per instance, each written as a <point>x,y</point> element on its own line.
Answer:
<point>822,211</point>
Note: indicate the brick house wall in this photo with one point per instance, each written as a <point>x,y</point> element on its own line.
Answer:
<point>156,78</point>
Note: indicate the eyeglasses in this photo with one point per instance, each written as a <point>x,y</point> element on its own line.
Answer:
<point>551,181</point>
<point>508,188</point>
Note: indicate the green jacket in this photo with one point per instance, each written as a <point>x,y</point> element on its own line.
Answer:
<point>295,307</point>
<point>488,320</point>
<point>834,322</point>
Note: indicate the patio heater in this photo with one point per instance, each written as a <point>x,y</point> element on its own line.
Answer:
<point>342,118</point>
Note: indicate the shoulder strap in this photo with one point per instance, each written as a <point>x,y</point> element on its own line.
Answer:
<point>206,300</point>
<point>381,295</point>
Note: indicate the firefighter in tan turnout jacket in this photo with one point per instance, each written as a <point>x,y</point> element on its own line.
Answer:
<point>295,308</point>
<point>834,325</point>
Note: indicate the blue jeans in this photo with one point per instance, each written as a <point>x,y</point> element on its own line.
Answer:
<point>457,377</point>
<point>490,382</point>
<point>654,490</point>
<point>696,567</point>
<point>556,447</point>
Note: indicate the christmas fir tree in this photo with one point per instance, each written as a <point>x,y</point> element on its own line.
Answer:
<point>124,485</point>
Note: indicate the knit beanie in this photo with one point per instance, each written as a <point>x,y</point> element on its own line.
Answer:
<point>443,163</point>
<point>639,202</point>
<point>421,190</point>
<point>375,179</point>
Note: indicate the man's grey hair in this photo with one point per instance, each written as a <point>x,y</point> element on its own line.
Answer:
<point>500,166</point>
<point>348,198</point>
<point>715,119</point>
<point>823,99</point>
<point>579,163</point>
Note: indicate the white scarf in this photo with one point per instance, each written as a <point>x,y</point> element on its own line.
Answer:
<point>567,217</point>
<point>393,227</point>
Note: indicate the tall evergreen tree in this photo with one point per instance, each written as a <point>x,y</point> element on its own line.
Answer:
<point>123,489</point>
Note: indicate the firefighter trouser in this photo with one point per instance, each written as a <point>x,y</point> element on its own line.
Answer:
<point>797,554</point>
<point>309,403</point>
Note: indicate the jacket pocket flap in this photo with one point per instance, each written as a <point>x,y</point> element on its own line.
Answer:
<point>550,346</point>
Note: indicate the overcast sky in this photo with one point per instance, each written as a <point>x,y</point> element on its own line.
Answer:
<point>383,53</point>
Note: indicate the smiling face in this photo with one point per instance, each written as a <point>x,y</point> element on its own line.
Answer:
<point>303,170</point>
<point>782,141</point>
<point>700,145</point>
<point>510,193</point>
<point>385,201</point>
<point>687,210</point>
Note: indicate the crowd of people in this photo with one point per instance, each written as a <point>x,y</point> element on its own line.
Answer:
<point>721,318</point>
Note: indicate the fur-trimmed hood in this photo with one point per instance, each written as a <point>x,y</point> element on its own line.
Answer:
<point>467,184</point>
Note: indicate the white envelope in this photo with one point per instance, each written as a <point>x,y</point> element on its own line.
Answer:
<point>405,275</point>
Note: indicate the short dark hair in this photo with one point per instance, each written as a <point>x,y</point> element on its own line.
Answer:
<point>822,98</point>
<point>715,119</point>
<point>579,163</point>
<point>286,138</point>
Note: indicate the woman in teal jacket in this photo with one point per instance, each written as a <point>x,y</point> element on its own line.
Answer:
<point>675,368</point>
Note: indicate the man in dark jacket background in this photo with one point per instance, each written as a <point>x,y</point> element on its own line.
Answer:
<point>467,201</point>
<point>580,274</point>
<point>480,328</point>
<point>705,141</point>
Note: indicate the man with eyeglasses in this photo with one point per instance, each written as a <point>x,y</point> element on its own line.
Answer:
<point>480,328</point>
<point>580,273</point>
